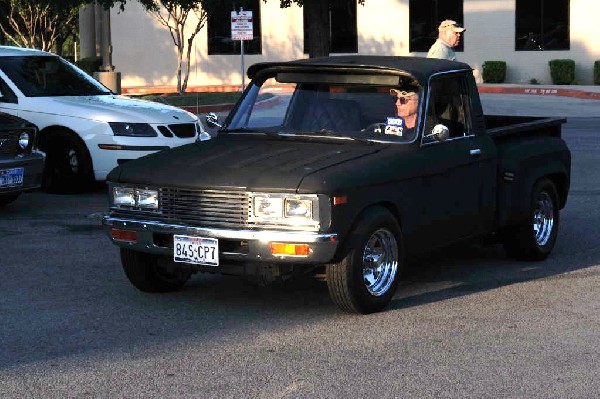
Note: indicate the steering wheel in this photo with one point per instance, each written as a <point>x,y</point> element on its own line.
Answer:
<point>377,128</point>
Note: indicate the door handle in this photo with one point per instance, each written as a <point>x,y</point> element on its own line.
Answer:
<point>476,151</point>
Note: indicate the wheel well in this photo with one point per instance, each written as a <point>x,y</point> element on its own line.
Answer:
<point>384,204</point>
<point>560,181</point>
<point>46,135</point>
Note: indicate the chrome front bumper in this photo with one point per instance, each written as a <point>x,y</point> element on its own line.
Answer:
<point>234,245</point>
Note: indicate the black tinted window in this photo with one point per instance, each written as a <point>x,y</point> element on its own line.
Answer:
<point>43,76</point>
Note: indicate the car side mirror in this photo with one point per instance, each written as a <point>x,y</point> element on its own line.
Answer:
<point>212,120</point>
<point>440,132</point>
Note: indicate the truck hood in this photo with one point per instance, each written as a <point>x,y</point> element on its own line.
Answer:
<point>230,162</point>
<point>107,108</point>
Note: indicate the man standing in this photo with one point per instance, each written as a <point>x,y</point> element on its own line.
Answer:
<point>448,38</point>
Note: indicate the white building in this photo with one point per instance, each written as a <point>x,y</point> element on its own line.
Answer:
<point>524,33</point>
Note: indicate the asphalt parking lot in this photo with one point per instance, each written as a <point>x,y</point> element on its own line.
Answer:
<point>466,323</point>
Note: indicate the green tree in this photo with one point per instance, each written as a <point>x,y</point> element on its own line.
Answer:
<point>317,12</point>
<point>43,24</point>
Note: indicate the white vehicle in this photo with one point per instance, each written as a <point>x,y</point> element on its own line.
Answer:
<point>85,129</point>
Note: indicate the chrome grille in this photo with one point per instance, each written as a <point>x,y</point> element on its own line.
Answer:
<point>204,207</point>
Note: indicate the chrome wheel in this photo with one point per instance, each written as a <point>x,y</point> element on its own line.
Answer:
<point>73,161</point>
<point>543,218</point>
<point>380,262</point>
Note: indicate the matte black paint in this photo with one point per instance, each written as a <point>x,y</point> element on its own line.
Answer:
<point>439,192</point>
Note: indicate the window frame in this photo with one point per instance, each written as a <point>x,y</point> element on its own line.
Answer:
<point>251,47</point>
<point>439,10</point>
<point>533,42</point>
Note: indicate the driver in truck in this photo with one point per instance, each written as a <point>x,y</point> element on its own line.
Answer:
<point>407,105</point>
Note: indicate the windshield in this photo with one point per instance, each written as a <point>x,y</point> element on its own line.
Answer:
<point>371,107</point>
<point>44,76</point>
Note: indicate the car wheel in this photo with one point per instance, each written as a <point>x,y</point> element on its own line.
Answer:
<point>68,167</point>
<point>535,237</point>
<point>6,199</point>
<point>150,273</point>
<point>365,280</point>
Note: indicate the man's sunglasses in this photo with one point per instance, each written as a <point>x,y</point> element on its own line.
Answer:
<point>403,100</point>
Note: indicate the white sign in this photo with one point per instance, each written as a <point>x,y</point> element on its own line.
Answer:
<point>241,25</point>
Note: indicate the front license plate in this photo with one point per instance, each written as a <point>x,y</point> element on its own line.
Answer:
<point>198,250</point>
<point>11,177</point>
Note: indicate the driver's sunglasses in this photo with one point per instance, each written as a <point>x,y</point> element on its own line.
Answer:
<point>403,100</point>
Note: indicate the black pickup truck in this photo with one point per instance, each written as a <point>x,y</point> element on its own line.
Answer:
<point>21,164</point>
<point>316,170</point>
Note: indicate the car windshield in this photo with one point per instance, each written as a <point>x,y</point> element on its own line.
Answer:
<point>334,106</point>
<point>45,76</point>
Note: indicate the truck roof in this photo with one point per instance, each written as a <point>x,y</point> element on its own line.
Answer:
<point>419,68</point>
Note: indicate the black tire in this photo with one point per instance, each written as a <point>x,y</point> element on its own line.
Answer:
<point>535,237</point>
<point>359,283</point>
<point>6,199</point>
<point>149,273</point>
<point>68,166</point>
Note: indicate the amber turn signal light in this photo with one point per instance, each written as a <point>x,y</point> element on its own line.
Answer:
<point>278,248</point>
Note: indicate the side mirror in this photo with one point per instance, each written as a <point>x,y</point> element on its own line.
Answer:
<point>440,132</point>
<point>212,120</point>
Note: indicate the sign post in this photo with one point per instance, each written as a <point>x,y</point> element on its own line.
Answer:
<point>241,29</point>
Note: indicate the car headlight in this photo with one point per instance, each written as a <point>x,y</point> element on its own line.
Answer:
<point>146,199</point>
<point>130,197</point>
<point>132,129</point>
<point>291,210</point>
<point>124,196</point>
<point>298,208</point>
<point>24,140</point>
<point>268,208</point>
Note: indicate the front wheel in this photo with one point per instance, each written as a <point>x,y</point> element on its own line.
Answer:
<point>534,237</point>
<point>150,273</point>
<point>365,280</point>
<point>68,166</point>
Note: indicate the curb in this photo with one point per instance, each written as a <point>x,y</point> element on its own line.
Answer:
<point>541,91</point>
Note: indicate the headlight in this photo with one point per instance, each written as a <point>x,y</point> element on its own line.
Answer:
<point>123,196</point>
<point>147,199</point>
<point>285,210</point>
<point>268,208</point>
<point>135,198</point>
<point>298,208</point>
<point>132,129</point>
<point>24,140</point>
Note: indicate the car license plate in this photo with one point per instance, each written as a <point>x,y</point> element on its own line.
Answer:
<point>198,250</point>
<point>11,177</point>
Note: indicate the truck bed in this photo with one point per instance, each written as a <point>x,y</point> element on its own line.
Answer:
<point>499,126</point>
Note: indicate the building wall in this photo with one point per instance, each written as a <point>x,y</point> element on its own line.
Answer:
<point>144,53</point>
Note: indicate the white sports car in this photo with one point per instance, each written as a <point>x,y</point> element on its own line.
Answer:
<point>85,129</point>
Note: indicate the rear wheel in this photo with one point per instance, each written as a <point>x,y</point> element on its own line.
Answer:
<point>68,167</point>
<point>365,280</point>
<point>535,237</point>
<point>150,273</point>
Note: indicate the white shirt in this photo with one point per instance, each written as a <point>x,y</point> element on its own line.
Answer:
<point>441,49</point>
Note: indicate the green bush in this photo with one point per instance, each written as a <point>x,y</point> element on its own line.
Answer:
<point>562,71</point>
<point>597,72</point>
<point>90,64</point>
<point>494,71</point>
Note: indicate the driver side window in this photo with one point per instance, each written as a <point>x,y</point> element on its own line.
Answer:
<point>448,105</point>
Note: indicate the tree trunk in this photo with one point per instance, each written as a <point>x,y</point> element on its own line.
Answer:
<point>317,14</point>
